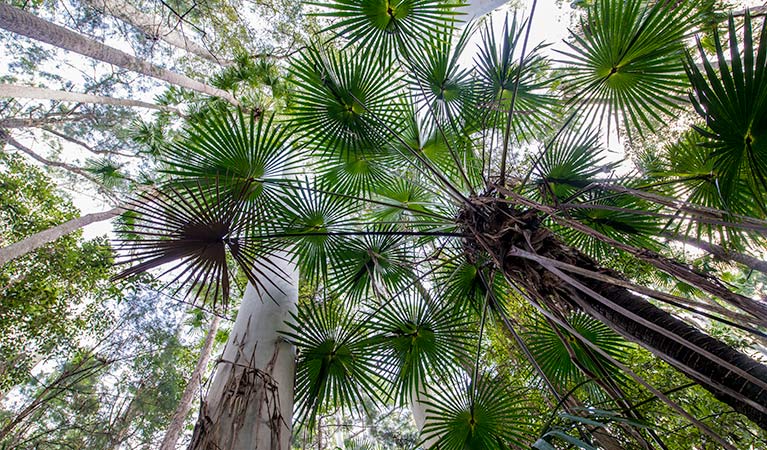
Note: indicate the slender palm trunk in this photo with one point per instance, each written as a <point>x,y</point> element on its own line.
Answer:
<point>18,91</point>
<point>153,26</point>
<point>21,22</point>
<point>250,401</point>
<point>37,240</point>
<point>185,404</point>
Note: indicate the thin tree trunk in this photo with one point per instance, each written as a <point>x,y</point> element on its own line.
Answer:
<point>14,122</point>
<point>250,401</point>
<point>21,22</point>
<point>153,26</point>
<point>47,162</point>
<point>18,91</point>
<point>37,240</point>
<point>721,253</point>
<point>185,404</point>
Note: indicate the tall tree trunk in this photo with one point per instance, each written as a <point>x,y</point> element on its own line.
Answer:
<point>21,22</point>
<point>18,91</point>
<point>153,26</point>
<point>478,8</point>
<point>37,240</point>
<point>250,401</point>
<point>729,375</point>
<point>720,252</point>
<point>185,404</point>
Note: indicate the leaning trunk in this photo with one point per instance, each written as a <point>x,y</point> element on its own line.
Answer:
<point>21,22</point>
<point>18,91</point>
<point>37,240</point>
<point>155,27</point>
<point>729,375</point>
<point>185,404</point>
<point>250,401</point>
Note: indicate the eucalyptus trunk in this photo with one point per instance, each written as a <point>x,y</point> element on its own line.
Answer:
<point>155,27</point>
<point>185,404</point>
<point>37,240</point>
<point>18,91</point>
<point>250,401</point>
<point>728,374</point>
<point>23,23</point>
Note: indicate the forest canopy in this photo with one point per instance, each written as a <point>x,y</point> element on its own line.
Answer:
<point>388,224</point>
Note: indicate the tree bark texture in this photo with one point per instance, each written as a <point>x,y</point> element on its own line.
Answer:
<point>21,22</point>
<point>185,404</point>
<point>728,374</point>
<point>155,27</point>
<point>18,91</point>
<point>249,405</point>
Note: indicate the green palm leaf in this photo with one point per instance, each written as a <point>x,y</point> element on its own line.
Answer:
<point>556,361</point>
<point>628,59</point>
<point>236,149</point>
<point>484,416</point>
<point>340,100</point>
<point>335,366</point>
<point>734,104</point>
<point>497,66</point>
<point>385,27</point>
<point>421,341</point>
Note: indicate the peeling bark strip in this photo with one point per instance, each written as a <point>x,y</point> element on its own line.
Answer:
<point>21,22</point>
<point>729,375</point>
<point>250,401</point>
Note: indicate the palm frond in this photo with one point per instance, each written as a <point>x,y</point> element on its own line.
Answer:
<point>557,363</point>
<point>197,230</point>
<point>335,366</point>
<point>421,340</point>
<point>340,99</point>
<point>628,60</point>
<point>734,104</point>
<point>386,27</point>
<point>482,416</point>
<point>497,66</point>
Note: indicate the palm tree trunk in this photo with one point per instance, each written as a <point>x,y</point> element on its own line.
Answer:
<point>21,22</point>
<point>185,404</point>
<point>154,27</point>
<point>729,375</point>
<point>37,240</point>
<point>250,401</point>
<point>18,91</point>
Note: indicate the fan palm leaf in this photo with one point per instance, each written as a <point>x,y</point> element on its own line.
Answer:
<point>734,104</point>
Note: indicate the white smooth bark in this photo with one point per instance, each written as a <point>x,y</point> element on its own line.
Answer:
<point>418,409</point>
<point>18,91</point>
<point>23,23</point>
<point>185,404</point>
<point>37,240</point>
<point>250,401</point>
<point>478,8</point>
<point>152,25</point>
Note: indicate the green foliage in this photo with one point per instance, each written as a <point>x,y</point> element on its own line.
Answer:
<point>50,295</point>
